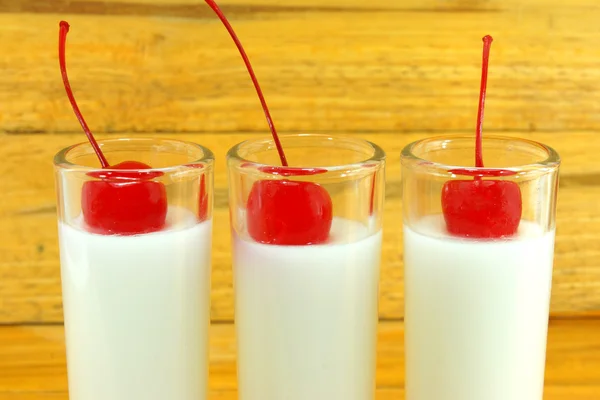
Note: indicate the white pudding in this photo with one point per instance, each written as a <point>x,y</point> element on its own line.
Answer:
<point>476,313</point>
<point>137,311</point>
<point>306,316</point>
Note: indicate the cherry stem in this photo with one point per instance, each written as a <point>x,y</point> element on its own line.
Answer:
<point>487,44</point>
<point>225,22</point>
<point>62,39</point>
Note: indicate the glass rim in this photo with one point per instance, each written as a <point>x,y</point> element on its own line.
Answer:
<point>552,160</point>
<point>378,157</point>
<point>60,160</point>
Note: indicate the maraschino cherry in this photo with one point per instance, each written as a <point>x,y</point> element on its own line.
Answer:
<point>124,202</point>
<point>481,208</point>
<point>282,211</point>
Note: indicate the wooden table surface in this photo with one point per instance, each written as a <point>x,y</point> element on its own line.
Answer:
<point>387,71</point>
<point>32,360</point>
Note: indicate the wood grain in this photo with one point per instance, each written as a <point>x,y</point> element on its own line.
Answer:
<point>551,393</point>
<point>351,65</point>
<point>32,361</point>
<point>29,264</point>
<point>391,72</point>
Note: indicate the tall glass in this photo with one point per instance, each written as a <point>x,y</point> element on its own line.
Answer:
<point>306,313</point>
<point>477,296</point>
<point>136,292</point>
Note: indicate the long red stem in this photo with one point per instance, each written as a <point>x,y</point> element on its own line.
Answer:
<point>225,22</point>
<point>62,39</point>
<point>487,44</point>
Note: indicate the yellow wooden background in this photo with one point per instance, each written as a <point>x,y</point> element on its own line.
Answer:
<point>391,71</point>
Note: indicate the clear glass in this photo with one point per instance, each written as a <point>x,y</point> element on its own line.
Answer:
<point>306,315</point>
<point>476,309</point>
<point>137,306</point>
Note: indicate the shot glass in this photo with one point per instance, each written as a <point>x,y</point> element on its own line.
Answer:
<point>135,255</point>
<point>478,259</point>
<point>306,254</point>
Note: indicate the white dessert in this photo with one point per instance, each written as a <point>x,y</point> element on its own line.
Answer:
<point>476,313</point>
<point>306,316</point>
<point>137,311</point>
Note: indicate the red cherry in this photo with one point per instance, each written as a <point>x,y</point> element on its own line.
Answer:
<point>283,212</point>
<point>481,208</point>
<point>288,212</point>
<point>124,204</point>
<point>127,202</point>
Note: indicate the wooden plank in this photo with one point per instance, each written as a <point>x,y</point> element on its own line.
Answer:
<point>551,393</point>
<point>453,5</point>
<point>32,361</point>
<point>29,265</point>
<point>31,189</point>
<point>164,67</point>
<point>194,8</point>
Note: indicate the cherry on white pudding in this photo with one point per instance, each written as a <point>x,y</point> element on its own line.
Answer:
<point>135,281</point>
<point>477,285</point>
<point>306,280</point>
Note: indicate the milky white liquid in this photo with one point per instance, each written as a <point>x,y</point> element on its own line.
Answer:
<point>306,317</point>
<point>476,314</point>
<point>137,313</point>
